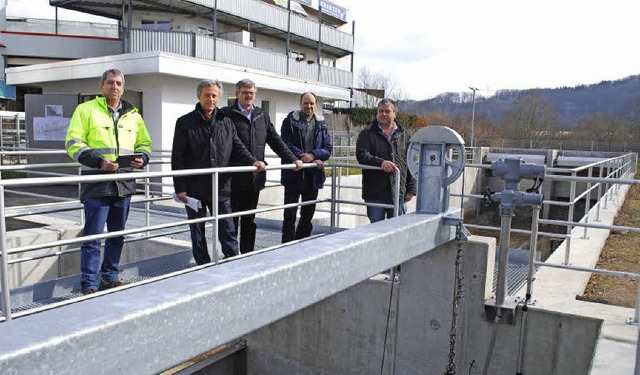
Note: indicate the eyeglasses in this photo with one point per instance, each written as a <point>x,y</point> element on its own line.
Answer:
<point>248,93</point>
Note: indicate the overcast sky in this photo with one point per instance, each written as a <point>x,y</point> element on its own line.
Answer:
<point>431,47</point>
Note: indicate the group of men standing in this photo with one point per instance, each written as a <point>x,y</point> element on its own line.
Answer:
<point>208,137</point>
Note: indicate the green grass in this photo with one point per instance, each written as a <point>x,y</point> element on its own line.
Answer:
<point>11,174</point>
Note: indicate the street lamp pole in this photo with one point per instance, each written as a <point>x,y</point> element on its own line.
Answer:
<point>473,111</point>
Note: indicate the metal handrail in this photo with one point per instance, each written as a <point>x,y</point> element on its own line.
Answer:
<point>4,252</point>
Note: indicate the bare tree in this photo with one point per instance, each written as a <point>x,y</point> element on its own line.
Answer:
<point>368,79</point>
<point>532,118</point>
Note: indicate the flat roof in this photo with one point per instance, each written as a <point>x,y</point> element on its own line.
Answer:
<point>157,62</point>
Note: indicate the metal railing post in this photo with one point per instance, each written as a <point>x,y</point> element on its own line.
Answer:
<point>572,197</point>
<point>333,199</point>
<point>607,188</point>
<point>338,196</point>
<point>396,201</point>
<point>4,281</point>
<point>587,204</point>
<point>636,313</point>
<point>214,213</point>
<point>599,194</point>
<point>147,204</point>
<point>80,195</point>
<point>533,246</point>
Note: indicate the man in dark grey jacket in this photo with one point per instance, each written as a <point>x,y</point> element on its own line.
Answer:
<point>384,144</point>
<point>255,129</point>
<point>207,138</point>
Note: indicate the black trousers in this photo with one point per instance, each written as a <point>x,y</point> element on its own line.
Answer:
<point>292,195</point>
<point>243,200</point>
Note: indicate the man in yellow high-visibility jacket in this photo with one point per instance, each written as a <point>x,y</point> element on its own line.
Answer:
<point>100,131</point>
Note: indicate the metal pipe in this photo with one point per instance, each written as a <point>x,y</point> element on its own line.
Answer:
<point>333,200</point>
<point>599,196</point>
<point>637,369</point>
<point>215,213</point>
<point>396,201</point>
<point>147,204</point>
<point>533,246</point>
<point>338,190</point>
<point>572,197</point>
<point>587,206</point>
<point>4,280</point>
<point>636,313</point>
<point>503,259</point>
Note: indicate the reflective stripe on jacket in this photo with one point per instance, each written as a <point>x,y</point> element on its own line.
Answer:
<point>93,135</point>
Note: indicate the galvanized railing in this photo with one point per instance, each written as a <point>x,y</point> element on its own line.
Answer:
<point>146,231</point>
<point>618,169</point>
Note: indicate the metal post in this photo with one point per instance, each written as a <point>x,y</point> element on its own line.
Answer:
<point>288,45</point>
<point>473,111</point>
<point>396,201</point>
<point>503,259</point>
<point>215,29</point>
<point>79,195</point>
<point>333,199</point>
<point>587,204</point>
<point>636,313</point>
<point>318,60</point>
<point>637,369</point>
<point>572,198</point>
<point>599,194</point>
<point>4,281</point>
<point>606,189</point>
<point>147,204</point>
<point>339,183</point>
<point>533,246</point>
<point>214,213</point>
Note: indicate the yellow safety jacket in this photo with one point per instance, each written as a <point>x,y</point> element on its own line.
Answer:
<point>93,135</point>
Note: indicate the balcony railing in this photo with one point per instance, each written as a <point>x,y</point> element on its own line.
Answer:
<point>201,46</point>
<point>276,17</point>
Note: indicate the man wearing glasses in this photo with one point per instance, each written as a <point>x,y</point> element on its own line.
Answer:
<point>255,129</point>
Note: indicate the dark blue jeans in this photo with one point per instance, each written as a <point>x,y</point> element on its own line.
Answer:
<point>226,232</point>
<point>98,211</point>
<point>245,225</point>
<point>380,213</point>
<point>292,195</point>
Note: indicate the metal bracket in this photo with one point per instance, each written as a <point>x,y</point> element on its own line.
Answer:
<point>455,221</point>
<point>505,313</point>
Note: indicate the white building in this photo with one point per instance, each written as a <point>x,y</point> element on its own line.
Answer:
<point>166,47</point>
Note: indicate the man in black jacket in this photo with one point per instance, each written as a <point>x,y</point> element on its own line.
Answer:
<point>207,138</point>
<point>384,144</point>
<point>255,129</point>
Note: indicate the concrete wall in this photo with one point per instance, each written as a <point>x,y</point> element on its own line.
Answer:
<point>41,270</point>
<point>345,334</point>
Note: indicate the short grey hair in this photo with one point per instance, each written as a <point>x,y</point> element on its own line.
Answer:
<point>389,102</point>
<point>207,83</point>
<point>245,83</point>
<point>115,72</point>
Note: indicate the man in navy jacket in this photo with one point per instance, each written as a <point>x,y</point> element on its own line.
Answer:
<point>307,135</point>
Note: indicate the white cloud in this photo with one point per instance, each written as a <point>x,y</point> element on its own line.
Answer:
<point>433,47</point>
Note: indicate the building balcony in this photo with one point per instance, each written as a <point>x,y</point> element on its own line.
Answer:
<point>216,49</point>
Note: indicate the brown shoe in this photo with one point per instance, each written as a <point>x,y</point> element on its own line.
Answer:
<point>89,291</point>
<point>104,285</point>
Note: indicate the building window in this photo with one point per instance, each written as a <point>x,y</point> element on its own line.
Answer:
<point>156,25</point>
<point>265,105</point>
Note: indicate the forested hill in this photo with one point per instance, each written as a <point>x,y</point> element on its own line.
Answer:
<point>619,98</point>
